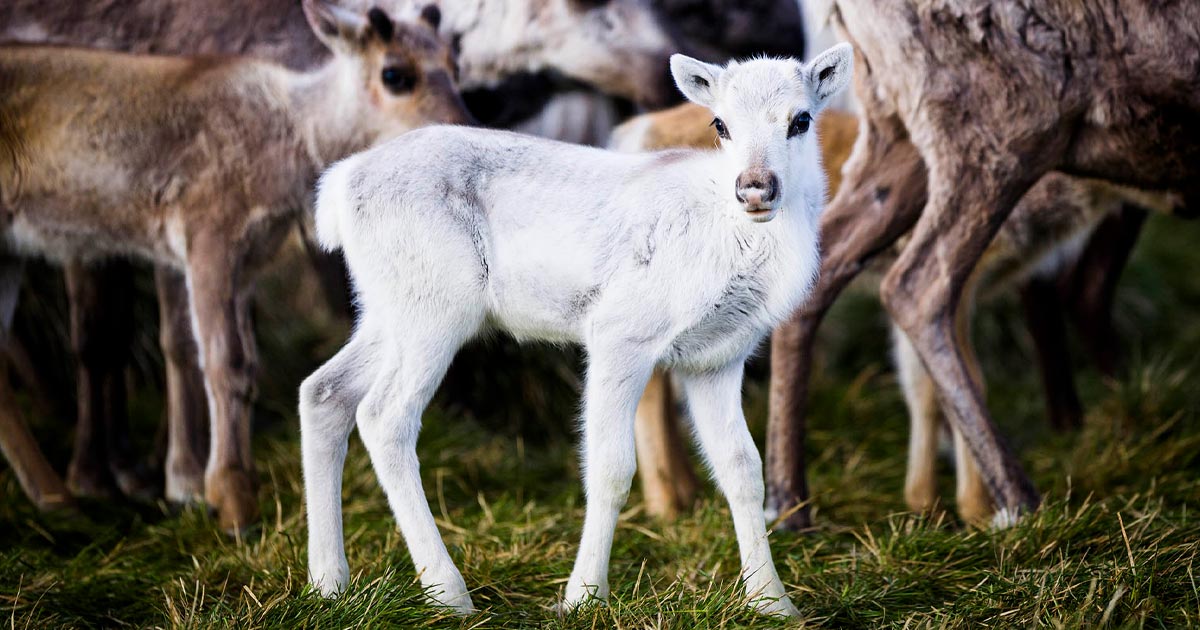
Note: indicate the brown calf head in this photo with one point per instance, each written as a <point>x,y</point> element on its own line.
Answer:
<point>618,46</point>
<point>409,71</point>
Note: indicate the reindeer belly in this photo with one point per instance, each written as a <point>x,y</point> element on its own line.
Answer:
<point>543,275</point>
<point>40,232</point>
<point>536,298</point>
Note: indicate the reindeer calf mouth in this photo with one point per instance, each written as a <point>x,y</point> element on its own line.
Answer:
<point>760,214</point>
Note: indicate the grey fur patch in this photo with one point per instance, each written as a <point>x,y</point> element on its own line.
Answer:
<point>579,303</point>
<point>462,196</point>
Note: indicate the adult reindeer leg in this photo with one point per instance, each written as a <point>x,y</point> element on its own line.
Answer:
<point>37,478</point>
<point>1090,285</point>
<point>971,193</point>
<point>879,200</point>
<point>1044,318</point>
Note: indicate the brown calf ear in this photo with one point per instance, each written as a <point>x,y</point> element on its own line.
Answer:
<point>586,5</point>
<point>432,16</point>
<point>381,24</point>
<point>335,26</point>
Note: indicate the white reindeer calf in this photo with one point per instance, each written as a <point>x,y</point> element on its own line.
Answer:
<point>680,258</point>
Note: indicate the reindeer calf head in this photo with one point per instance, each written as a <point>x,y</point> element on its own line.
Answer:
<point>618,46</point>
<point>406,70</point>
<point>764,118</point>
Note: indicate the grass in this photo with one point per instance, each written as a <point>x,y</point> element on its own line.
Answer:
<point>1117,541</point>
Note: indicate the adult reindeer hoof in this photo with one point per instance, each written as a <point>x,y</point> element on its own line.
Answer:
<point>581,596</point>
<point>330,583</point>
<point>230,492</point>
<point>566,607</point>
<point>446,588</point>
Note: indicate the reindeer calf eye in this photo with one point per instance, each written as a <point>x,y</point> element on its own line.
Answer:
<point>800,124</point>
<point>397,81</point>
<point>719,125</point>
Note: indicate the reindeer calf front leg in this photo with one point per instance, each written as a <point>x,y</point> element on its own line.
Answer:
<point>187,409</point>
<point>215,281</point>
<point>100,297</point>
<point>616,378</point>
<point>715,401</point>
<point>37,478</point>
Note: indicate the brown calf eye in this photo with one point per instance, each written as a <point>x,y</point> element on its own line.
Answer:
<point>719,125</point>
<point>398,81</point>
<point>800,124</point>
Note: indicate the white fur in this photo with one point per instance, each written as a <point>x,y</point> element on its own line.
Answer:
<point>332,190</point>
<point>645,259</point>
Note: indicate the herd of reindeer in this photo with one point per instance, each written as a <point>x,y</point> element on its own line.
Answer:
<point>990,145</point>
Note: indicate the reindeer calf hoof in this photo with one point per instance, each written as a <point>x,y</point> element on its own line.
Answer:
<point>137,483</point>
<point>230,492</point>
<point>332,582</point>
<point>91,484</point>
<point>977,511</point>
<point>1004,518</point>
<point>57,503</point>
<point>458,601</point>
<point>184,483</point>
<point>922,499</point>
<point>776,607</point>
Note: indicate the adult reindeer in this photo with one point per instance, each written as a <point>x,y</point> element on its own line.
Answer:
<point>206,177</point>
<point>992,96</point>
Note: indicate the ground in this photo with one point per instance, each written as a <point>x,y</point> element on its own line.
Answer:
<point>1115,542</point>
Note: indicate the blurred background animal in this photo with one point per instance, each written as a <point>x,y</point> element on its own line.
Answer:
<point>601,39</point>
<point>973,188</point>
<point>1044,234</point>
<point>592,50</point>
<point>244,141</point>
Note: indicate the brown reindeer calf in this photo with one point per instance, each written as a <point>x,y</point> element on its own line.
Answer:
<point>201,164</point>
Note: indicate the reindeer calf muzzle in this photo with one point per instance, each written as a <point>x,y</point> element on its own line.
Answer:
<point>757,189</point>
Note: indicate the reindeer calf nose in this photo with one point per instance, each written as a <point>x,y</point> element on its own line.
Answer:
<point>757,187</point>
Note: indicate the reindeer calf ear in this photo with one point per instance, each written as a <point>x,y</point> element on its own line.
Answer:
<point>696,79</point>
<point>381,24</point>
<point>829,72</point>
<point>336,27</point>
<point>432,16</point>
